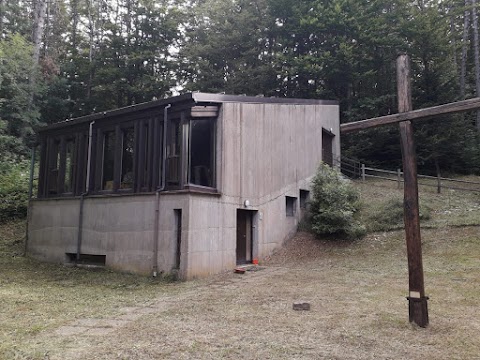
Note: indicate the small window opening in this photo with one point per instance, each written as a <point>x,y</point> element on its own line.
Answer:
<point>304,198</point>
<point>108,160</point>
<point>291,204</point>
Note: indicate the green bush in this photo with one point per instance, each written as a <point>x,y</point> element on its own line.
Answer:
<point>14,179</point>
<point>335,204</point>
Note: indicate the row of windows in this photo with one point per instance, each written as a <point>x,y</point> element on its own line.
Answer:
<point>291,202</point>
<point>128,157</point>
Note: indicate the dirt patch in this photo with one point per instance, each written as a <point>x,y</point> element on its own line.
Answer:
<point>305,247</point>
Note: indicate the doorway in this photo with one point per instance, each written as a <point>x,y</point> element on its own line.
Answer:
<point>245,236</point>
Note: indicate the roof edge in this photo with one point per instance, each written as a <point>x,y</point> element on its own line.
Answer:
<point>194,97</point>
<point>225,98</point>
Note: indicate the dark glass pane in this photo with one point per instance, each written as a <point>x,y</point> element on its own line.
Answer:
<point>173,153</point>
<point>53,164</point>
<point>201,152</point>
<point>108,159</point>
<point>127,158</point>
<point>69,165</point>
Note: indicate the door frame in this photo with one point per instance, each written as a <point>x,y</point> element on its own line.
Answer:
<point>251,232</point>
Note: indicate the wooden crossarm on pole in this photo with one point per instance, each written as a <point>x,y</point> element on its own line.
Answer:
<point>421,114</point>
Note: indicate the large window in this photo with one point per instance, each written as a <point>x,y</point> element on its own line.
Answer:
<point>53,166</point>
<point>128,145</point>
<point>108,160</point>
<point>128,154</point>
<point>202,152</point>
<point>70,166</point>
<point>62,165</point>
<point>173,156</point>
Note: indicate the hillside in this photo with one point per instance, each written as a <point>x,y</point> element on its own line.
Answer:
<point>356,290</point>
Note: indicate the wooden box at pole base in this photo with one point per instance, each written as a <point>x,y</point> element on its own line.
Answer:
<point>418,310</point>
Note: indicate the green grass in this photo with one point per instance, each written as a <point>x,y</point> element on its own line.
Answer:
<point>38,296</point>
<point>382,208</point>
<point>357,290</point>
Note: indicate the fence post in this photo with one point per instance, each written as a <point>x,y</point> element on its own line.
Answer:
<point>439,184</point>
<point>399,178</point>
<point>363,172</point>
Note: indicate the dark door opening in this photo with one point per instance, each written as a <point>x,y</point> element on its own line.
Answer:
<point>178,237</point>
<point>244,236</point>
<point>327,147</point>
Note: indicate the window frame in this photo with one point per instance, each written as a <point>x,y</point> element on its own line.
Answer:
<point>290,203</point>
<point>213,149</point>
<point>70,147</point>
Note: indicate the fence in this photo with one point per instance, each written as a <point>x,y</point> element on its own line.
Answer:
<point>354,169</point>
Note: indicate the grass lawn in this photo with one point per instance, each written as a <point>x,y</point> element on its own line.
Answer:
<point>356,290</point>
<point>37,297</point>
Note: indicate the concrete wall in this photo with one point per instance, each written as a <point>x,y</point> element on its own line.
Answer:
<point>270,151</point>
<point>119,227</point>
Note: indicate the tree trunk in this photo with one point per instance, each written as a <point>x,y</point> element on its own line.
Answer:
<point>476,55</point>
<point>47,28</point>
<point>74,26</point>
<point>91,40</point>
<point>37,34</point>
<point>463,66</point>
<point>2,12</point>
<point>454,43</point>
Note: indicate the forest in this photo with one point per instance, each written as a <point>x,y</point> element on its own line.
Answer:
<point>67,58</point>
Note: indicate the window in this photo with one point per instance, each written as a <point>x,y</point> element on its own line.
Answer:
<point>291,204</point>
<point>202,152</point>
<point>304,198</point>
<point>108,160</point>
<point>173,152</point>
<point>127,154</point>
<point>62,164</point>
<point>69,166</point>
<point>53,166</point>
<point>128,144</point>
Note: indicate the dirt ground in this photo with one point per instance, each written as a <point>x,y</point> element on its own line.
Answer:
<point>358,308</point>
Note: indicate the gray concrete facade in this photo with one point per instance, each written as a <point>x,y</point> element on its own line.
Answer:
<point>264,152</point>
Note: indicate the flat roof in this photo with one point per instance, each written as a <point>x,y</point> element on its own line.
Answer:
<point>193,97</point>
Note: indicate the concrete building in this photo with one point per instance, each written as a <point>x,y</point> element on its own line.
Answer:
<point>197,184</point>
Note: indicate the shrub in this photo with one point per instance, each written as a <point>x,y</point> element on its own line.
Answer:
<point>335,203</point>
<point>14,179</point>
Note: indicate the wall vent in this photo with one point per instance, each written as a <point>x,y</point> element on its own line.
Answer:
<point>87,259</point>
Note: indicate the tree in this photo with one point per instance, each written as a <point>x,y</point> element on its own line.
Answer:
<point>228,48</point>
<point>18,115</point>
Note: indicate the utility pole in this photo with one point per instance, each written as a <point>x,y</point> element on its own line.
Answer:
<point>417,301</point>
